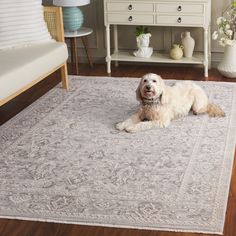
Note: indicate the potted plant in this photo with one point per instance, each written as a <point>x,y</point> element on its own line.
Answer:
<point>143,40</point>
<point>141,30</point>
<point>227,38</point>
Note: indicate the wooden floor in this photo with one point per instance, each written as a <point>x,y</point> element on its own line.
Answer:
<point>31,228</point>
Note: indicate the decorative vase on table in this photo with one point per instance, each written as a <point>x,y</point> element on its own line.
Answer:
<point>176,52</point>
<point>227,66</point>
<point>188,42</point>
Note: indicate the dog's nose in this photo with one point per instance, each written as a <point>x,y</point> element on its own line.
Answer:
<point>148,87</point>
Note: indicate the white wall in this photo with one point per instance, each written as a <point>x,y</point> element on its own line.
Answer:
<point>162,37</point>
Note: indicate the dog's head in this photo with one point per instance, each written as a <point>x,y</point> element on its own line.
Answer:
<point>151,87</point>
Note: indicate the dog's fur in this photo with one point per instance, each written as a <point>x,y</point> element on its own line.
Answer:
<point>159,103</point>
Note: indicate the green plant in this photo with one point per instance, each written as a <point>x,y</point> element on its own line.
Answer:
<point>141,30</point>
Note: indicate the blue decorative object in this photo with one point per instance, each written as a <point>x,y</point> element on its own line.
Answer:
<point>73,18</point>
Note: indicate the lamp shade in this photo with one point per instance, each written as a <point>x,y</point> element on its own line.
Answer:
<point>70,3</point>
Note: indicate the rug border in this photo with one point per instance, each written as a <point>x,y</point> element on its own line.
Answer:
<point>109,225</point>
<point>229,150</point>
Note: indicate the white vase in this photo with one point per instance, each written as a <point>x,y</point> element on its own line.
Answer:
<point>188,42</point>
<point>227,66</point>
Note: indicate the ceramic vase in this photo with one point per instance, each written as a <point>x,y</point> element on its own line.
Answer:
<point>188,42</point>
<point>227,66</point>
<point>176,52</point>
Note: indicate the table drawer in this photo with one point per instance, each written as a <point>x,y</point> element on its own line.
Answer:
<point>177,20</point>
<point>114,18</point>
<point>130,7</point>
<point>173,7</point>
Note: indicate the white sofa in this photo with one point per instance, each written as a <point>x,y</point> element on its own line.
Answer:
<point>21,68</point>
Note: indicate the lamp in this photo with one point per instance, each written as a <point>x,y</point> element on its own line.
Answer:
<point>73,17</point>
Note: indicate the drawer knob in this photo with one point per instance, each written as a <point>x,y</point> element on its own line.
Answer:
<point>130,7</point>
<point>130,18</point>
<point>179,8</point>
<point>179,20</point>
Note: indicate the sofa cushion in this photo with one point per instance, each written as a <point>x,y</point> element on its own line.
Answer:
<point>21,66</point>
<point>22,23</point>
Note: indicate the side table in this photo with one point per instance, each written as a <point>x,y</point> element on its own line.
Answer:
<point>83,32</point>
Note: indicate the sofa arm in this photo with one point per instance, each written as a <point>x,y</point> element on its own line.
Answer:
<point>53,18</point>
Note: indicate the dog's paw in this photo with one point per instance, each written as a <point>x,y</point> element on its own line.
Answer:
<point>131,129</point>
<point>120,126</point>
<point>163,124</point>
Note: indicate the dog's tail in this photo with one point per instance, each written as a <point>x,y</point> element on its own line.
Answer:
<point>214,110</point>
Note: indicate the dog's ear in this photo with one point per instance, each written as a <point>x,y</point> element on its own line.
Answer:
<point>138,93</point>
<point>164,95</point>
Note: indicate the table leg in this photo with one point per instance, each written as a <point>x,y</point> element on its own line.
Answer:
<point>116,43</point>
<point>87,50</point>
<point>108,58</point>
<point>206,53</point>
<point>209,47</point>
<point>74,55</point>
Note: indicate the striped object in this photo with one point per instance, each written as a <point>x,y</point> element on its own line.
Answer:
<point>22,23</point>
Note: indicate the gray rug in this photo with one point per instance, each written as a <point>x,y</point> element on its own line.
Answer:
<point>61,160</point>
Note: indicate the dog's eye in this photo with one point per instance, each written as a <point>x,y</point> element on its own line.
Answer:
<point>145,81</point>
<point>154,81</point>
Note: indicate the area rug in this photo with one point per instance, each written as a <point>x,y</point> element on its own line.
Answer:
<point>62,160</point>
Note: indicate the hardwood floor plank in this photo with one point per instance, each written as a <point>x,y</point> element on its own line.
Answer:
<point>31,228</point>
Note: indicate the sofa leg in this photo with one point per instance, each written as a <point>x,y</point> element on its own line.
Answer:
<point>64,76</point>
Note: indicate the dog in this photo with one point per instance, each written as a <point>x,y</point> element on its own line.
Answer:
<point>160,104</point>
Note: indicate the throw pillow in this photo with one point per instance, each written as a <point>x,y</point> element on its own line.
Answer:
<point>22,23</point>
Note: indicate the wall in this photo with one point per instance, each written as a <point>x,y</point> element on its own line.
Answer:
<point>162,37</point>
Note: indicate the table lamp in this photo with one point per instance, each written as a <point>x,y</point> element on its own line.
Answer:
<point>73,17</point>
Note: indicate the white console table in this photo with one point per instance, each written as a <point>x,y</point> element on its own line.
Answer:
<point>181,13</point>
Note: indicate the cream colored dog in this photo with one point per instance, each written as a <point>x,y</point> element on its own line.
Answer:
<point>159,103</point>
